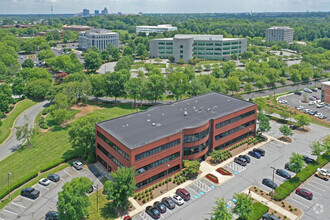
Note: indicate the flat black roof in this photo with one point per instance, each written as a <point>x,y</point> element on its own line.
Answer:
<point>161,121</point>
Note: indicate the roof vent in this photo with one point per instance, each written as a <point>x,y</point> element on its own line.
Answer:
<point>208,109</point>
<point>158,125</point>
<point>196,101</point>
<point>148,120</point>
<point>185,113</point>
<point>228,100</point>
<point>163,114</point>
<point>153,124</point>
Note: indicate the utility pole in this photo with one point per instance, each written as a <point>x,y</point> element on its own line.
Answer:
<point>97,198</point>
<point>9,186</point>
<point>273,179</point>
<point>168,166</point>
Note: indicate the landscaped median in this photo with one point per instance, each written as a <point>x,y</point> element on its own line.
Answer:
<point>258,210</point>
<point>286,188</point>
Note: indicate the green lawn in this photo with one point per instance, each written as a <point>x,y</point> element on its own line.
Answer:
<point>105,210</point>
<point>7,123</point>
<point>48,149</point>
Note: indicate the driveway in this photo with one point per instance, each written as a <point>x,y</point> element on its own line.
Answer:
<point>28,116</point>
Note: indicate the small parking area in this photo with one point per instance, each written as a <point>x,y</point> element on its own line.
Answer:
<point>25,208</point>
<point>197,190</point>
<point>294,101</point>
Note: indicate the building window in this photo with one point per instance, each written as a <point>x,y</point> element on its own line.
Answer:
<point>157,149</point>
<point>232,120</point>
<point>181,56</point>
<point>157,163</point>
<point>181,46</point>
<point>99,159</point>
<point>196,137</point>
<point>106,153</point>
<point>234,140</point>
<point>113,146</point>
<point>234,130</point>
<point>196,149</point>
<point>157,176</point>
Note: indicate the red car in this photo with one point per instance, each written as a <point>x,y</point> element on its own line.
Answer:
<point>183,193</point>
<point>304,193</point>
<point>317,98</point>
<point>127,218</point>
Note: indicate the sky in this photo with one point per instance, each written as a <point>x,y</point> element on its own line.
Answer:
<point>161,6</point>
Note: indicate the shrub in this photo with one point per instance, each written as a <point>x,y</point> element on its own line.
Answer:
<point>144,200</point>
<point>213,178</point>
<point>139,198</point>
<point>170,179</point>
<point>291,210</point>
<point>151,196</point>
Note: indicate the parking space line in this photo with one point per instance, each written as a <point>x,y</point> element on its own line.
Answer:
<point>306,200</point>
<point>67,173</point>
<point>1,219</point>
<point>299,202</point>
<point>43,187</point>
<point>314,181</point>
<point>193,190</point>
<point>316,188</point>
<point>18,205</point>
<point>169,210</point>
<point>10,211</point>
<point>28,199</point>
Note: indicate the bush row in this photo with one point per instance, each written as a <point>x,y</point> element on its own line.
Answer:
<point>258,210</point>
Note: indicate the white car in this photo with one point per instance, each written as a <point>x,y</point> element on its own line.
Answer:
<point>311,103</point>
<point>323,170</point>
<point>307,90</point>
<point>318,115</point>
<point>320,105</point>
<point>77,164</point>
<point>300,108</point>
<point>283,101</point>
<point>44,181</point>
<point>177,199</point>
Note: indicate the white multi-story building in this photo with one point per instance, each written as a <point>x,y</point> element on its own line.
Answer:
<point>99,38</point>
<point>155,29</point>
<point>206,47</point>
<point>280,33</point>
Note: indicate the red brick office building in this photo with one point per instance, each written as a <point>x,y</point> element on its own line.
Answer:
<point>325,93</point>
<point>156,141</point>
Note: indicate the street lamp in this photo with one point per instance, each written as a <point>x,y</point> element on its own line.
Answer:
<point>168,166</point>
<point>273,178</point>
<point>9,185</point>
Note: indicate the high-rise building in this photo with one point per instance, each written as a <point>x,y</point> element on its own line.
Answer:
<point>104,11</point>
<point>99,38</point>
<point>156,141</point>
<point>85,12</point>
<point>96,12</point>
<point>206,47</point>
<point>155,29</point>
<point>280,33</point>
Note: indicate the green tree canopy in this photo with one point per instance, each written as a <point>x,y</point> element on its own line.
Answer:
<point>243,206</point>
<point>178,84</point>
<point>220,211</point>
<point>264,125</point>
<point>285,130</point>
<point>302,120</point>
<point>92,60</point>
<point>28,63</point>
<point>191,167</point>
<point>296,162</point>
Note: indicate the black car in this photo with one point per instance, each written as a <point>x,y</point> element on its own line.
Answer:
<point>52,215</point>
<point>254,154</point>
<point>160,206</point>
<point>53,177</point>
<point>308,160</point>
<point>246,157</point>
<point>287,166</point>
<point>240,161</point>
<point>314,90</point>
<point>30,193</point>
<point>168,202</point>
<point>153,212</point>
<point>259,151</point>
<point>267,216</point>
<point>269,183</point>
<point>297,92</point>
<point>293,127</point>
<point>283,173</point>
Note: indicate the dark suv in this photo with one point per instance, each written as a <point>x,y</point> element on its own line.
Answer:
<point>269,183</point>
<point>267,216</point>
<point>308,160</point>
<point>283,173</point>
<point>52,216</point>
<point>259,151</point>
<point>53,177</point>
<point>304,193</point>
<point>246,157</point>
<point>168,203</point>
<point>30,193</point>
<point>240,161</point>
<point>183,193</point>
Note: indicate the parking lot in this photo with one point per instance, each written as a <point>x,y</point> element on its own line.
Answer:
<point>294,101</point>
<point>197,190</point>
<point>25,208</point>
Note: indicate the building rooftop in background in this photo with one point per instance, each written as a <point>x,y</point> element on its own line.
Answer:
<point>155,29</point>
<point>77,27</point>
<point>280,27</point>
<point>161,121</point>
<point>18,26</point>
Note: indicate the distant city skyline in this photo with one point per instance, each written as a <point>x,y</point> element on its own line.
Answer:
<point>160,6</point>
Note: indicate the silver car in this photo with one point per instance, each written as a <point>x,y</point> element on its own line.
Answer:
<point>77,164</point>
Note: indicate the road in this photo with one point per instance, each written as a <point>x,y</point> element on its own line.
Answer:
<point>28,116</point>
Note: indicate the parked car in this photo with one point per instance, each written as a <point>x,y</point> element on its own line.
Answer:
<point>282,101</point>
<point>160,206</point>
<point>77,164</point>
<point>127,218</point>
<point>300,108</point>
<point>269,183</point>
<point>314,90</point>
<point>177,199</point>
<point>168,203</point>
<point>183,193</point>
<point>283,173</point>
<point>308,160</point>
<point>293,127</point>
<point>307,90</point>
<point>44,182</point>
<point>52,215</point>
<point>90,189</point>
<point>322,173</point>
<point>304,193</point>
<point>30,193</point>
<point>287,166</point>
<point>54,177</point>
<point>259,151</point>
<point>317,98</point>
<point>246,157</point>
<point>319,115</point>
<point>240,161</point>
<point>153,212</point>
<point>320,105</point>
<point>311,103</point>
<point>297,92</point>
<point>312,98</point>
<point>254,154</point>
<point>267,216</point>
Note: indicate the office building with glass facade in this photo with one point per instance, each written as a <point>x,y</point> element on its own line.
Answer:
<point>281,33</point>
<point>155,29</point>
<point>99,38</point>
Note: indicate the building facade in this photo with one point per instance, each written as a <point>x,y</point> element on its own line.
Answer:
<point>206,47</point>
<point>156,141</point>
<point>77,28</point>
<point>155,29</point>
<point>325,92</point>
<point>99,38</point>
<point>282,33</point>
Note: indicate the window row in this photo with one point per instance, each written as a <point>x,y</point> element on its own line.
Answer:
<point>196,149</point>
<point>228,143</point>
<point>232,120</point>
<point>157,176</point>
<point>106,153</point>
<point>157,150</point>
<point>157,163</point>
<point>234,130</point>
<point>196,137</point>
<point>113,146</point>
<point>99,159</point>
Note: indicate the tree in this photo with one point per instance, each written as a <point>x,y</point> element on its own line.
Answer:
<point>141,49</point>
<point>233,83</point>
<point>285,130</point>
<point>128,51</point>
<point>116,83</point>
<point>155,87</point>
<point>45,54</point>
<point>217,72</point>
<point>28,63</point>
<point>171,59</point>
<point>284,115</point>
<point>38,88</point>
<point>5,97</point>
<point>61,101</point>
<point>263,122</point>
<point>92,60</point>
<point>73,200</point>
<point>248,87</point>
<point>197,87</point>
<point>178,84</point>
<point>105,55</point>
<point>82,137</point>
<point>302,120</point>
<point>98,84</point>
<point>191,167</point>
<point>296,162</point>
<point>122,187</point>
<point>59,116</point>
<point>243,206</point>
<point>124,63</point>
<point>24,133</point>
<point>261,103</point>
<point>317,148</point>
<point>216,155</point>
<point>19,87</point>
<point>228,67</point>
<point>220,211</point>
<point>134,87</point>
<point>115,53</point>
